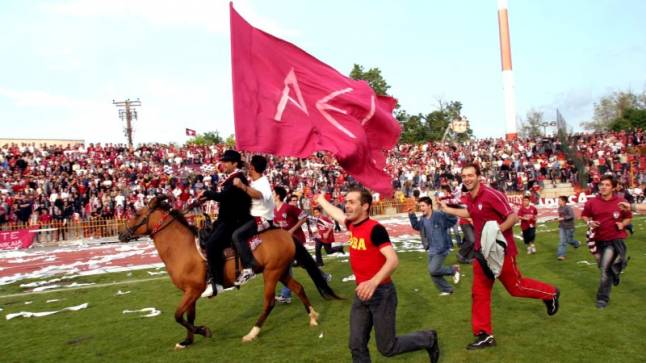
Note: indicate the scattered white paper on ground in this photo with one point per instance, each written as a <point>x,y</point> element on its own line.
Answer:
<point>48,287</point>
<point>153,273</point>
<point>28,302</point>
<point>152,312</point>
<point>584,262</point>
<point>321,336</point>
<point>74,284</point>
<point>122,292</point>
<point>349,278</point>
<point>52,300</point>
<point>416,290</point>
<point>28,314</point>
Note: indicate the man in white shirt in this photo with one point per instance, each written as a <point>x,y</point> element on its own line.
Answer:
<point>262,209</point>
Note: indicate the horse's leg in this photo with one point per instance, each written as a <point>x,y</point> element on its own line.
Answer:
<point>188,300</point>
<point>298,289</point>
<point>202,330</point>
<point>271,277</point>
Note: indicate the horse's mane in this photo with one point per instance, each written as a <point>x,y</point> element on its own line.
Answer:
<point>178,216</point>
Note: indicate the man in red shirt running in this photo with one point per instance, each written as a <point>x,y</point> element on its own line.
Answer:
<point>608,221</point>
<point>487,204</point>
<point>290,218</point>
<point>373,260</point>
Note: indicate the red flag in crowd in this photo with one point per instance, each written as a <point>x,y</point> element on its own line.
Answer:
<point>190,132</point>
<point>288,103</point>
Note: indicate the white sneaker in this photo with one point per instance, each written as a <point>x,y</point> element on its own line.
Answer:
<point>246,275</point>
<point>283,300</point>
<point>208,292</point>
<point>456,274</point>
<point>446,293</point>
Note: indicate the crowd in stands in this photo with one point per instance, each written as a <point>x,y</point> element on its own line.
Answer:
<point>39,184</point>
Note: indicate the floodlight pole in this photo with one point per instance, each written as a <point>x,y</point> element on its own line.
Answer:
<point>127,112</point>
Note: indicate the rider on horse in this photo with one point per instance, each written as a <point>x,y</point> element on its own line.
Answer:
<point>262,209</point>
<point>234,209</point>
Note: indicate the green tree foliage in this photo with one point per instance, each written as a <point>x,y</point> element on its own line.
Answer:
<point>231,141</point>
<point>631,118</point>
<point>531,127</point>
<point>207,138</point>
<point>618,111</point>
<point>373,77</point>
<point>421,127</point>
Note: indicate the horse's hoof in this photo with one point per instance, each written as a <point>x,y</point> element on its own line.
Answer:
<point>252,335</point>
<point>206,332</point>
<point>313,317</point>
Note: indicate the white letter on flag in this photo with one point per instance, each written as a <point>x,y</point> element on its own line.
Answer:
<point>290,79</point>
<point>323,106</point>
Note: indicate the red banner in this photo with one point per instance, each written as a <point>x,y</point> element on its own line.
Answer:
<point>13,240</point>
<point>288,103</point>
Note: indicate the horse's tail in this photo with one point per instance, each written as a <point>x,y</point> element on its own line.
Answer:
<point>305,259</point>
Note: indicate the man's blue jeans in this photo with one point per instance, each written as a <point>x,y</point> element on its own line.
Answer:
<point>566,237</point>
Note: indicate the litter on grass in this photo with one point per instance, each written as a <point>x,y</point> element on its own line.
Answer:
<point>152,312</point>
<point>29,314</point>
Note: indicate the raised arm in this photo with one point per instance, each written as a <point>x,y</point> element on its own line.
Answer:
<point>334,212</point>
<point>458,212</point>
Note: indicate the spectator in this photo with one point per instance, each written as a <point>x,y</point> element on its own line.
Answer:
<point>433,227</point>
<point>566,228</point>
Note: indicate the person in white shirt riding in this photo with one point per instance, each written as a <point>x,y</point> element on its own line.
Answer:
<point>262,209</point>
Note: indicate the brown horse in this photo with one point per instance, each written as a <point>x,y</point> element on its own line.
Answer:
<point>174,239</point>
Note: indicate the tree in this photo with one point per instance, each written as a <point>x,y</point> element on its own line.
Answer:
<point>415,128</point>
<point>531,127</point>
<point>614,109</point>
<point>433,125</point>
<point>207,138</point>
<point>373,77</point>
<point>231,141</point>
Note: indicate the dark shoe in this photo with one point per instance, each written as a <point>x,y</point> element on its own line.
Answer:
<point>434,350</point>
<point>615,278</point>
<point>601,304</point>
<point>552,304</point>
<point>483,340</point>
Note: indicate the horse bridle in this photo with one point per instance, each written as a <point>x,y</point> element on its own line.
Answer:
<point>128,235</point>
<point>163,223</point>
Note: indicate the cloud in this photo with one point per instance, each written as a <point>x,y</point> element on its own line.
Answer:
<point>212,15</point>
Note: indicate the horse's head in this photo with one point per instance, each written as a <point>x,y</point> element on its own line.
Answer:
<point>138,225</point>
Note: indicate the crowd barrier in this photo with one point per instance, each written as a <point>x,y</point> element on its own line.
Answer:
<point>110,227</point>
<point>94,228</point>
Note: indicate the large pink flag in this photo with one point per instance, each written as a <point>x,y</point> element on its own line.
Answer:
<point>288,103</point>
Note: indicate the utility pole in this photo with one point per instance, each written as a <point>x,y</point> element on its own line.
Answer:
<point>127,112</point>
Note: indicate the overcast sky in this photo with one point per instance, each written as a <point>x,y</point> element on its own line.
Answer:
<point>63,62</point>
